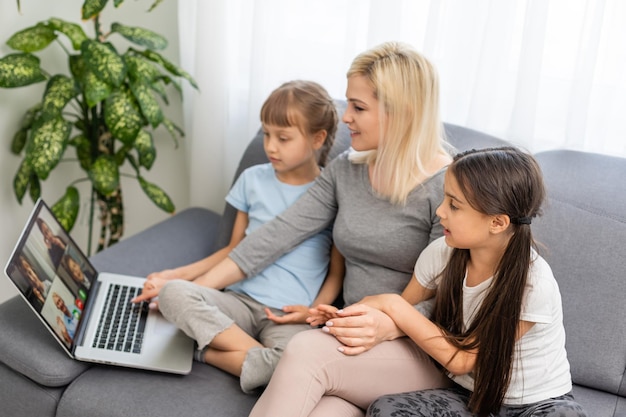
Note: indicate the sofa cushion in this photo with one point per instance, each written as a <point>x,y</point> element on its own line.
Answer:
<point>206,391</point>
<point>27,347</point>
<point>599,403</point>
<point>584,232</point>
<point>20,396</point>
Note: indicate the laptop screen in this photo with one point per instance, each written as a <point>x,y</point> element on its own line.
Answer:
<point>51,272</point>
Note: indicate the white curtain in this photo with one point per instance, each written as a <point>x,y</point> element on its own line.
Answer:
<point>543,74</point>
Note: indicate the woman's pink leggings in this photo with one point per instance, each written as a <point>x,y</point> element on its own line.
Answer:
<point>314,379</point>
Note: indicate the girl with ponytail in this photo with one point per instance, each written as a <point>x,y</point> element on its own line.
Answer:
<point>497,324</point>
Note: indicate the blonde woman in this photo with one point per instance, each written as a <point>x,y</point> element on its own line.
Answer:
<point>385,200</point>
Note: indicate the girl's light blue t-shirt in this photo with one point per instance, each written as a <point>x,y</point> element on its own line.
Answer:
<point>296,277</point>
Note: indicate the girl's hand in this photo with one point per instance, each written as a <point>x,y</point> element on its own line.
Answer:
<point>321,314</point>
<point>151,289</point>
<point>360,327</point>
<point>295,314</point>
<point>166,274</point>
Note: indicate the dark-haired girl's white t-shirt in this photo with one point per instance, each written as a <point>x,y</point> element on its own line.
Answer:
<point>540,366</point>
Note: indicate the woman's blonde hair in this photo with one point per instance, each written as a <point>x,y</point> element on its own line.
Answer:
<point>407,87</point>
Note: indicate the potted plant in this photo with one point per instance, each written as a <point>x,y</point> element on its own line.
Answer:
<point>104,110</point>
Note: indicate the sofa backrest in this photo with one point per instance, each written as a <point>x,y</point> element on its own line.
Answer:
<point>459,137</point>
<point>583,229</point>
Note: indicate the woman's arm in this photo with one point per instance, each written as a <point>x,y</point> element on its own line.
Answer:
<point>334,279</point>
<point>327,294</point>
<point>363,325</point>
<point>314,211</point>
<point>376,311</point>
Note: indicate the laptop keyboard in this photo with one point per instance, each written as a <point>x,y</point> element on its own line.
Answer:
<point>121,326</point>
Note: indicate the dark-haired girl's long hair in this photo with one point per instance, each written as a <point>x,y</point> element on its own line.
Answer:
<point>494,181</point>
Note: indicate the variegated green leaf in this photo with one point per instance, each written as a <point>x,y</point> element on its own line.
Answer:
<point>173,69</point>
<point>59,91</point>
<point>157,195</point>
<point>104,174</point>
<point>150,108</point>
<point>121,155</point>
<point>30,116</point>
<point>122,117</point>
<point>140,69</point>
<point>140,36</point>
<point>95,89</point>
<point>35,188</point>
<point>22,180</point>
<point>73,31</point>
<point>92,7</point>
<point>145,149</point>
<point>47,143</point>
<point>32,39</point>
<point>19,141</point>
<point>169,80</point>
<point>66,208</point>
<point>83,151</point>
<point>18,70</point>
<point>77,66</point>
<point>158,88</point>
<point>174,130</point>
<point>103,61</point>
<point>117,3</point>
<point>80,125</point>
<point>155,4</point>
<point>131,159</point>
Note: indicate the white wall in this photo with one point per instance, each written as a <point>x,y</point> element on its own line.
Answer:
<point>169,170</point>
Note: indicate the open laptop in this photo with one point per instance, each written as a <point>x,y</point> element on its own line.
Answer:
<point>89,313</point>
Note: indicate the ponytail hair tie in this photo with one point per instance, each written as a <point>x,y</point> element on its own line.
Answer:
<point>521,220</point>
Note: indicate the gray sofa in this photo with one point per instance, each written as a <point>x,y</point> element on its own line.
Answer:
<point>583,230</point>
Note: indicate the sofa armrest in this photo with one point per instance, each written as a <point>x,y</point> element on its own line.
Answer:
<point>29,349</point>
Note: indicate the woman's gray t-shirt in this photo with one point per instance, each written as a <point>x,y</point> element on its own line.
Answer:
<point>379,240</point>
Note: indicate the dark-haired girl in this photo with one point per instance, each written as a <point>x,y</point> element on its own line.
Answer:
<point>497,324</point>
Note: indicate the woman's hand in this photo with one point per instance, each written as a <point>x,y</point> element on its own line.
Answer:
<point>294,314</point>
<point>360,327</point>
